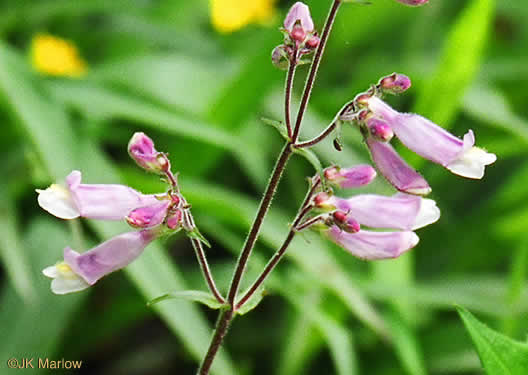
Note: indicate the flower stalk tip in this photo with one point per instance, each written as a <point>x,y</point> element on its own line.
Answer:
<point>141,150</point>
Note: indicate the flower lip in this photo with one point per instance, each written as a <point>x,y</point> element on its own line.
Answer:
<point>374,245</point>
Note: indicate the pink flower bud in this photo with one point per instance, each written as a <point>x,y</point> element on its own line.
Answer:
<point>362,99</point>
<point>345,222</point>
<point>174,219</point>
<point>413,3</point>
<point>354,177</point>
<point>322,200</point>
<point>141,149</point>
<point>379,129</point>
<point>299,13</point>
<point>313,42</point>
<point>298,34</point>
<point>148,216</point>
<point>395,83</point>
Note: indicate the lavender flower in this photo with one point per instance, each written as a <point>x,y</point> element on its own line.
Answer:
<point>104,202</point>
<point>433,142</point>
<point>141,149</point>
<point>402,211</point>
<point>79,271</point>
<point>396,170</point>
<point>357,176</point>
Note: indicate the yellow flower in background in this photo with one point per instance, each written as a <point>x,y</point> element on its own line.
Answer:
<point>231,15</point>
<point>56,56</point>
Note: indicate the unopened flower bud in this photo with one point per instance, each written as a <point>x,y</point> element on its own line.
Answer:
<point>413,3</point>
<point>148,216</point>
<point>345,222</point>
<point>141,149</point>
<point>395,83</point>
<point>174,219</point>
<point>362,99</point>
<point>322,200</point>
<point>379,129</point>
<point>353,177</point>
<point>298,34</point>
<point>279,57</point>
<point>313,42</point>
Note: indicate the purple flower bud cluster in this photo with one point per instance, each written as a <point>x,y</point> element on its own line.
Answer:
<point>300,37</point>
<point>153,215</point>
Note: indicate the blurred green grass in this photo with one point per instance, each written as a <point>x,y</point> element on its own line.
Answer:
<point>160,67</point>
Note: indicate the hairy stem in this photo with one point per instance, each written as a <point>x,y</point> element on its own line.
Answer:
<point>314,68</point>
<point>288,91</point>
<point>222,325</point>
<point>257,223</point>
<point>206,271</point>
<point>303,210</point>
<point>226,316</point>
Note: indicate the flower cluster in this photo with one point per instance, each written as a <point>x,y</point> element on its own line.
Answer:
<point>153,215</point>
<point>300,37</point>
<point>343,220</point>
<point>379,122</point>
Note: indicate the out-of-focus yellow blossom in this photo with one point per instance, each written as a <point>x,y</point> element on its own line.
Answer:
<point>230,15</point>
<point>56,56</point>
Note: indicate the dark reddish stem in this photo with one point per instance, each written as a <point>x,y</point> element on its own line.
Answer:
<point>314,68</point>
<point>303,211</point>
<point>226,316</point>
<point>288,91</point>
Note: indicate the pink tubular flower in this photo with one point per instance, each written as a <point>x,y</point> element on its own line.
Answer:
<point>141,149</point>
<point>401,211</point>
<point>354,177</point>
<point>396,170</point>
<point>433,142</point>
<point>413,3</point>
<point>105,202</point>
<point>373,245</point>
<point>79,271</point>
<point>299,12</point>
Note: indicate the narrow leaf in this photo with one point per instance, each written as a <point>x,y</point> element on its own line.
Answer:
<point>190,295</point>
<point>499,354</point>
<point>253,302</point>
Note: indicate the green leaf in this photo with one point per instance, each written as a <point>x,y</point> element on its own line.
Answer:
<point>197,235</point>
<point>311,157</point>
<point>12,251</point>
<point>278,125</point>
<point>499,354</point>
<point>440,98</point>
<point>190,295</point>
<point>252,302</point>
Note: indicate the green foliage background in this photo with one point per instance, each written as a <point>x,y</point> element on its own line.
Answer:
<point>158,66</point>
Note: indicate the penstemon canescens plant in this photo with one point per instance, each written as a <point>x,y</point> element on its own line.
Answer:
<point>342,220</point>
